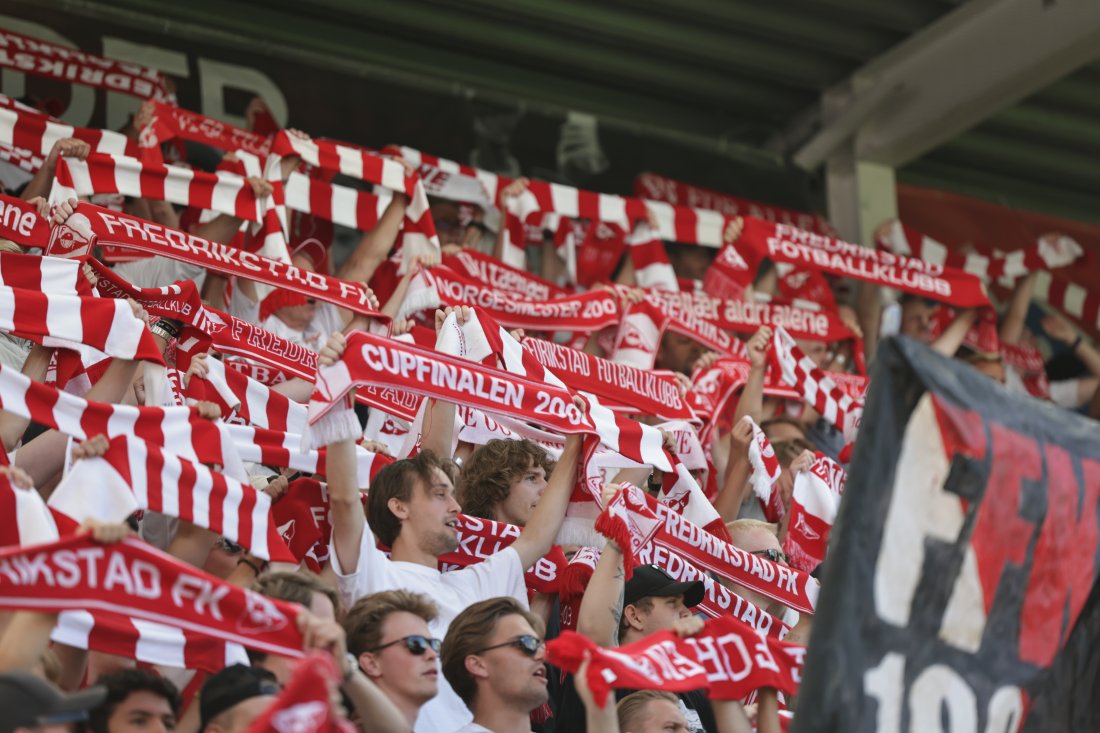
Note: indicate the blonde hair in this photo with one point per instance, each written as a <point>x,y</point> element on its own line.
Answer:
<point>632,708</point>
<point>744,525</point>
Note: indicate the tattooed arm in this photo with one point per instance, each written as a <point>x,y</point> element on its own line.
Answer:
<point>602,605</point>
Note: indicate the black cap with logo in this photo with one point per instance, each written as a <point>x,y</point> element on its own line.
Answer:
<point>651,580</point>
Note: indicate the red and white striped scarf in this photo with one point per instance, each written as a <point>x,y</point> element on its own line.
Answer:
<point>420,236</point>
<point>765,473</point>
<point>24,517</point>
<point>643,325</point>
<point>711,391</point>
<point>817,388</point>
<point>137,580</point>
<point>652,269</point>
<point>74,321</point>
<point>135,475</point>
<point>450,180</point>
<point>31,130</point>
<point>177,428</point>
<point>21,158</point>
<point>42,58</point>
<point>145,641</point>
<point>225,193</point>
<point>814,506</point>
<point>339,204</point>
<point>1048,253</point>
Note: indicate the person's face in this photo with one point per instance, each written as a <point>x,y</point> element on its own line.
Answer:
<point>221,561</point>
<point>448,223</point>
<point>818,351</point>
<point>516,678</point>
<point>433,515</point>
<point>297,317</point>
<point>660,716</point>
<point>664,612</point>
<point>142,712</point>
<point>691,262</point>
<point>758,541</point>
<point>677,353</point>
<point>916,320</point>
<point>523,495</point>
<point>781,432</point>
<point>399,672</point>
<point>239,717</point>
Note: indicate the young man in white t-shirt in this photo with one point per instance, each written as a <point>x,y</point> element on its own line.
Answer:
<point>494,657</point>
<point>412,509</point>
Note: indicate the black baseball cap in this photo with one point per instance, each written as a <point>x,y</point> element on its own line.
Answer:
<point>29,701</point>
<point>233,685</point>
<point>651,580</point>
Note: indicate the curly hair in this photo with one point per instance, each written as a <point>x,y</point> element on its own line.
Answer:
<point>487,475</point>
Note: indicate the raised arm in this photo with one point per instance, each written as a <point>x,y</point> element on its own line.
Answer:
<point>736,481</point>
<point>1012,325</point>
<point>348,520</point>
<point>538,536</point>
<point>752,394</point>
<point>375,245</point>
<point>948,342</point>
<point>601,608</point>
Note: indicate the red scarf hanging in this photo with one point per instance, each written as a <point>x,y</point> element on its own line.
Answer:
<point>500,276</point>
<point>727,658</point>
<point>169,122</point>
<point>817,388</point>
<point>135,475</point>
<point>582,313</point>
<point>814,506</point>
<point>42,58</point>
<point>634,519</point>
<point>305,704</point>
<point>787,244</point>
<point>137,580</point>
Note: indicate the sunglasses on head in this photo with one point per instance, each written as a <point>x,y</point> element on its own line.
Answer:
<point>527,644</point>
<point>416,644</point>
<point>772,554</point>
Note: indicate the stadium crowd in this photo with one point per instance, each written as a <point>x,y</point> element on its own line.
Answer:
<point>526,438</point>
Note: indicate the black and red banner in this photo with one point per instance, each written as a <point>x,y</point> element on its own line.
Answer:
<point>960,586</point>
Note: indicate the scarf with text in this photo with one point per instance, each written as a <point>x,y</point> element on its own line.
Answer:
<point>42,58</point>
<point>169,122</point>
<point>135,475</point>
<point>502,277</point>
<point>624,387</point>
<point>131,232</point>
<point>137,580</point>
<point>21,223</point>
<point>782,243</point>
<point>802,319</point>
<point>814,505</point>
<point>727,658</point>
<point>582,313</point>
<point>712,388</point>
<point>1029,363</point>
<point>647,520</point>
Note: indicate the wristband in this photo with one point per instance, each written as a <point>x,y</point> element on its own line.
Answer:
<point>166,328</point>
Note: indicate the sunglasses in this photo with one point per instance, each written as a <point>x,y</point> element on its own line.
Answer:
<point>772,554</point>
<point>527,644</point>
<point>416,644</point>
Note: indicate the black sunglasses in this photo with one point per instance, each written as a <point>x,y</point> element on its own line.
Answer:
<point>772,554</point>
<point>416,644</point>
<point>527,644</point>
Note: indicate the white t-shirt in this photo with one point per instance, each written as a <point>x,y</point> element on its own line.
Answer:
<point>156,272</point>
<point>452,592</point>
